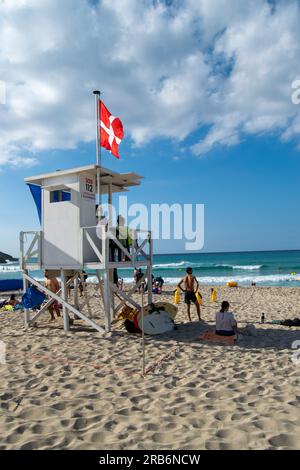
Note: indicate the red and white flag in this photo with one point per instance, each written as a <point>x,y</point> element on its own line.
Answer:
<point>112,131</point>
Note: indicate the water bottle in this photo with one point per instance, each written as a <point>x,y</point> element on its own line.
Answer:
<point>262,318</point>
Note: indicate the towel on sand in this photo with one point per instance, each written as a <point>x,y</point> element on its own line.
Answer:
<point>7,308</point>
<point>212,337</point>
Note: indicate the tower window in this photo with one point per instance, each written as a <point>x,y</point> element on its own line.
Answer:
<point>60,196</point>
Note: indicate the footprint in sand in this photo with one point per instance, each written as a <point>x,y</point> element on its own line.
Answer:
<point>213,394</point>
<point>265,424</point>
<point>31,383</point>
<point>110,425</point>
<point>193,393</point>
<point>197,423</point>
<point>236,439</point>
<point>212,445</point>
<point>29,445</point>
<point>65,423</point>
<point>150,427</point>
<point>20,429</point>
<point>99,438</point>
<point>257,391</point>
<point>80,423</point>
<point>59,406</point>
<point>38,429</point>
<point>39,366</point>
<point>140,400</point>
<point>33,414</point>
<point>291,441</point>
<point>162,438</point>
<point>89,407</point>
<point>13,438</point>
<point>6,396</point>
<point>221,415</point>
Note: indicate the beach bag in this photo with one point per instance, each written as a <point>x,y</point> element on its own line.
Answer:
<point>32,298</point>
<point>295,322</point>
<point>130,326</point>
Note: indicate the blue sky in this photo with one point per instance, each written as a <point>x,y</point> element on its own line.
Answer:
<point>250,192</point>
<point>204,92</point>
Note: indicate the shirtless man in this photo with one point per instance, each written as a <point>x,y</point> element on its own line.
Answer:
<point>53,285</point>
<point>190,288</point>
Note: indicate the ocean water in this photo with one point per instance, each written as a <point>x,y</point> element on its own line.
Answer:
<point>266,268</point>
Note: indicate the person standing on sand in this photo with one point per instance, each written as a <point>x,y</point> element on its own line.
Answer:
<point>53,285</point>
<point>190,288</point>
<point>137,276</point>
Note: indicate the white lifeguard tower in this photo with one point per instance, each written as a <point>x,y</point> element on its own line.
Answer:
<point>70,241</point>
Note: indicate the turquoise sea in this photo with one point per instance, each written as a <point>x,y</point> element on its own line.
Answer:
<point>266,268</point>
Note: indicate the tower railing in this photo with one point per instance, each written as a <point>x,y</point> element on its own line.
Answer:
<point>31,249</point>
<point>106,246</point>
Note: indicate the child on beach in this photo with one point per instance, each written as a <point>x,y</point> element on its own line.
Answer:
<point>190,288</point>
<point>226,324</point>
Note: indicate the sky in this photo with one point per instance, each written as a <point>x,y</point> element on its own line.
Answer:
<point>203,89</point>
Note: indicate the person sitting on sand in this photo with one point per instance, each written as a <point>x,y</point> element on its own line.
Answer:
<point>190,288</point>
<point>158,284</point>
<point>53,285</point>
<point>12,300</point>
<point>226,324</point>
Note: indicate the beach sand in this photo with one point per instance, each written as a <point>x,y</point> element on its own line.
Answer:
<point>79,390</point>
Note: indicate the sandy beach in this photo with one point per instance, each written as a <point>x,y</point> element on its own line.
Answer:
<point>79,390</point>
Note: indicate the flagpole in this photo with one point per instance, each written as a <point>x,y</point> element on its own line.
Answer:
<point>98,140</point>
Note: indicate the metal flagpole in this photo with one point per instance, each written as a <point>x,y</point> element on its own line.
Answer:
<point>143,335</point>
<point>98,147</point>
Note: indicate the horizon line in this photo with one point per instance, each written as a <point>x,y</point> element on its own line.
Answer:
<point>224,252</point>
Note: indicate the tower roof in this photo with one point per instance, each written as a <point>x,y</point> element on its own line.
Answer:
<point>119,181</point>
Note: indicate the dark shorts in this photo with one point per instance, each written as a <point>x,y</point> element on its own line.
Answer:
<point>225,333</point>
<point>55,305</point>
<point>189,297</point>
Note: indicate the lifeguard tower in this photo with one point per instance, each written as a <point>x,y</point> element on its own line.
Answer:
<point>70,241</point>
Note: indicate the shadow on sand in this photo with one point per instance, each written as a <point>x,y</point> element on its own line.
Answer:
<point>278,337</point>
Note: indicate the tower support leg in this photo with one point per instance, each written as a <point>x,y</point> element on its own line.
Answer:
<point>64,296</point>
<point>26,311</point>
<point>149,283</point>
<point>107,300</point>
<point>76,304</point>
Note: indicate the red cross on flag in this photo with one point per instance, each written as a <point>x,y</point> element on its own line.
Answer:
<point>111,131</point>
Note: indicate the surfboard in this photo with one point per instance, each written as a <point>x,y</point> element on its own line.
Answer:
<point>156,323</point>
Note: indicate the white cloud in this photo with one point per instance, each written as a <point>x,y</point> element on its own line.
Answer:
<point>165,70</point>
<point>255,98</point>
